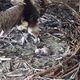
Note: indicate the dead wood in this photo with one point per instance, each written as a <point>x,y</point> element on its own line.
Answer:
<point>40,5</point>
<point>56,70</point>
<point>74,12</point>
<point>24,62</point>
<point>76,52</point>
<point>71,69</point>
<point>70,72</point>
<point>53,70</point>
<point>65,4</point>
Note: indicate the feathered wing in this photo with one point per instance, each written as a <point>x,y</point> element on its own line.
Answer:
<point>10,17</point>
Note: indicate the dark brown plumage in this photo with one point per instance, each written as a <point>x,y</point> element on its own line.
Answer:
<point>10,17</point>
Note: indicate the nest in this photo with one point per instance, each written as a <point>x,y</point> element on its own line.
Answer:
<point>60,26</point>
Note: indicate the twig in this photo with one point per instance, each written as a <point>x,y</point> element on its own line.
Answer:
<point>53,70</point>
<point>5,59</point>
<point>71,68</point>
<point>14,75</point>
<point>70,72</point>
<point>75,53</point>
<point>6,41</point>
<point>72,10</point>
<point>75,74</point>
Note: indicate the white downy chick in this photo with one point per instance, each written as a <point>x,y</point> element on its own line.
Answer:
<point>42,51</point>
<point>23,26</point>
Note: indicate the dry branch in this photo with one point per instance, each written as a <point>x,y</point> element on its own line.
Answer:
<point>53,70</point>
<point>75,13</point>
<point>56,70</point>
<point>71,72</point>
